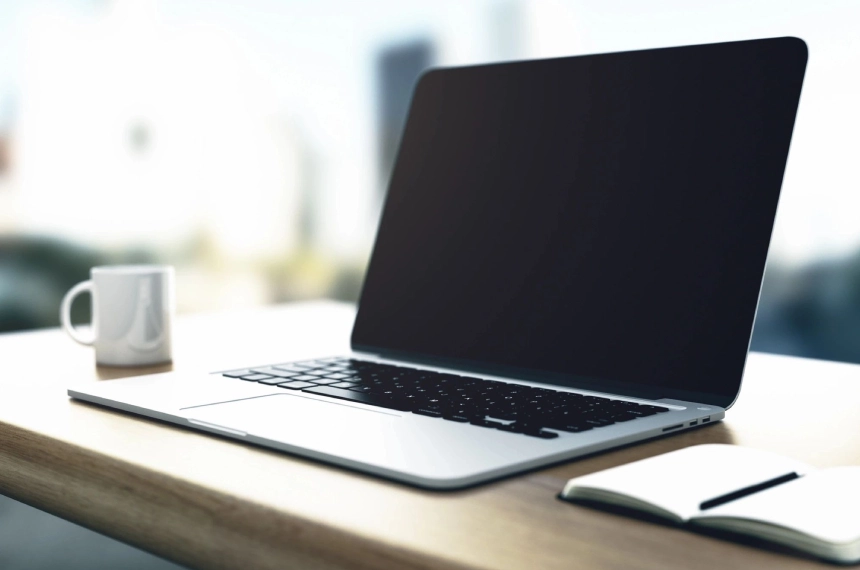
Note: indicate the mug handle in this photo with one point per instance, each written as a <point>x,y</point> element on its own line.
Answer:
<point>65,312</point>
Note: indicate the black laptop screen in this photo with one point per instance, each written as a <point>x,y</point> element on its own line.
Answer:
<point>601,218</point>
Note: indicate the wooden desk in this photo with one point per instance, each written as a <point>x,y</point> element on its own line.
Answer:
<point>211,503</point>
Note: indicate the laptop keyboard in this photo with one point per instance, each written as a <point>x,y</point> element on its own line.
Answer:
<point>486,403</point>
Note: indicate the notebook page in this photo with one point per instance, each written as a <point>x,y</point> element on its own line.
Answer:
<point>679,481</point>
<point>824,504</point>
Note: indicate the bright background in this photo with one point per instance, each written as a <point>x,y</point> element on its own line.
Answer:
<point>249,143</point>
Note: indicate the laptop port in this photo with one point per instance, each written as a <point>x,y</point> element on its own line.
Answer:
<point>670,428</point>
<point>694,422</point>
<point>706,420</point>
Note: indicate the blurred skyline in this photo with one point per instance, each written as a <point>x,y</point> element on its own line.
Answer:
<point>249,144</point>
<point>222,84</point>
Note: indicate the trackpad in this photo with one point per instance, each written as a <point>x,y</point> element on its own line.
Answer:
<point>299,420</point>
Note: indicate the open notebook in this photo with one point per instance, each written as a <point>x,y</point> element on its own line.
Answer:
<point>741,490</point>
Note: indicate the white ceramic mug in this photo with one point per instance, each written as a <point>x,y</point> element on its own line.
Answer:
<point>132,313</point>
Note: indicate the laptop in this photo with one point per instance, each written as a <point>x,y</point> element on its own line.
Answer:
<point>569,259</point>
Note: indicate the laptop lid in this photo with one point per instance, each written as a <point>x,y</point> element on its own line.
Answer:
<point>598,222</point>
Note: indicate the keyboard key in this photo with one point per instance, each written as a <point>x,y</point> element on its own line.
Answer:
<point>623,417</point>
<point>272,371</point>
<point>359,397</point>
<point>273,380</point>
<point>257,377</point>
<point>296,385</point>
<point>543,434</point>
<point>352,378</point>
<point>513,428</point>
<point>486,423</point>
<point>313,372</point>
<point>596,422</point>
<point>359,388</point>
<point>345,385</point>
<point>323,381</point>
<point>427,412</point>
<point>305,378</point>
<point>237,373</point>
<point>641,413</point>
<point>529,426</point>
<point>337,375</point>
<point>456,418</point>
<point>571,427</point>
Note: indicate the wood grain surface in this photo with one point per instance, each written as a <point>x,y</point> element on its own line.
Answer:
<point>208,502</point>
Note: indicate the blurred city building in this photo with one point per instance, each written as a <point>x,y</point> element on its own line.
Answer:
<point>400,66</point>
